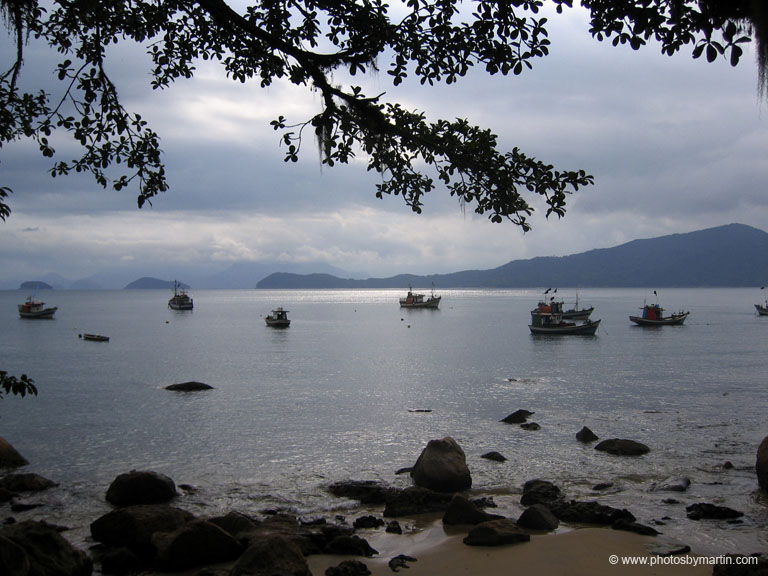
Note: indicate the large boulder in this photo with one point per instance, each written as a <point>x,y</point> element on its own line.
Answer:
<point>442,466</point>
<point>13,558</point>
<point>26,483</point>
<point>761,464</point>
<point>196,543</point>
<point>133,527</point>
<point>140,487</point>
<point>538,517</point>
<point>269,556</point>
<point>9,457</point>
<point>496,533</point>
<point>622,447</point>
<point>462,511</point>
<point>517,417</point>
<point>539,492</point>
<point>47,551</point>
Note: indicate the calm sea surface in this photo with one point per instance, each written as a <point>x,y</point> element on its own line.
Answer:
<point>341,395</point>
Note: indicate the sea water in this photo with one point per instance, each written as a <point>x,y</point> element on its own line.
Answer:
<point>356,387</point>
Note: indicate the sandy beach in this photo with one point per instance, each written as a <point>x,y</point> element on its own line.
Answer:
<point>579,552</point>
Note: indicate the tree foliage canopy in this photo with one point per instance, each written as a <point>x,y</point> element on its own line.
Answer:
<point>305,42</point>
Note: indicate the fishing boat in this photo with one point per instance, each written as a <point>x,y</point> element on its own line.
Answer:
<point>180,300</point>
<point>278,318</point>
<point>653,315</point>
<point>94,337</point>
<point>574,313</point>
<point>412,300</point>
<point>762,310</point>
<point>551,322</point>
<point>35,309</point>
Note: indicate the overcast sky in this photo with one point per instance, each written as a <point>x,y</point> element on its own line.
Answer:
<point>675,145</point>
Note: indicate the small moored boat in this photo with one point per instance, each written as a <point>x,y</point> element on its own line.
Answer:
<point>180,300</point>
<point>94,337</point>
<point>35,309</point>
<point>278,318</point>
<point>762,310</point>
<point>574,313</point>
<point>653,315</point>
<point>552,322</point>
<point>412,300</point>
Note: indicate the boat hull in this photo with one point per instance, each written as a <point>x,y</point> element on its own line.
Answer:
<point>587,329</point>
<point>95,337</point>
<point>761,310</point>
<point>277,323</point>
<point>674,320</point>
<point>430,303</point>
<point>180,306</point>
<point>45,314</point>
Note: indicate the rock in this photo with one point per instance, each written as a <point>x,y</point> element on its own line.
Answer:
<point>189,387</point>
<point>495,456</point>
<point>442,466</point>
<point>761,464</point>
<point>738,565</point>
<point>270,556</point>
<point>461,511</point>
<point>120,561</point>
<point>602,486</point>
<point>586,435</point>
<point>368,522</point>
<point>47,551</point>
<point>539,492</point>
<point>140,487</point>
<point>13,558</point>
<point>400,561</point>
<point>194,544</point>
<point>235,523</point>
<point>667,548</point>
<point>351,545</point>
<point>517,417</point>
<point>672,484</point>
<point>26,483</point>
<point>705,511</point>
<point>589,513</point>
<point>538,517</point>
<point>631,526</point>
<point>394,527</point>
<point>496,533</point>
<point>530,426</point>
<point>415,500</point>
<point>9,457</point>
<point>133,527</point>
<point>349,568</point>
<point>621,447</point>
<point>366,491</point>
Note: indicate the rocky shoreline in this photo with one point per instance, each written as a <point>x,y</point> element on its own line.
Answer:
<point>144,531</point>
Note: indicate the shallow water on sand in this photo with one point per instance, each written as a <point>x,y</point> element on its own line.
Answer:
<point>356,387</point>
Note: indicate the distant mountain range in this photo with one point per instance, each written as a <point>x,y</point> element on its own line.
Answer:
<point>725,256</point>
<point>148,283</point>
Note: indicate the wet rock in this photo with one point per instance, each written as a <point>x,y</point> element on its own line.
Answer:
<point>368,522</point>
<point>461,511</point>
<point>415,500</point>
<point>495,456</point>
<point>672,484</point>
<point>586,435</point>
<point>631,526</point>
<point>189,387</point>
<point>348,568</point>
<point>530,426</point>
<point>26,483</point>
<point>235,523</point>
<point>602,486</point>
<point>269,556</point>
<point>133,527</point>
<point>13,558</point>
<point>539,492</point>
<point>761,464</point>
<point>365,491</point>
<point>581,512</point>
<point>47,551</point>
<point>120,562</point>
<point>140,487</point>
<point>496,533</point>
<point>442,466</point>
<point>351,545</point>
<point>622,447</point>
<point>400,561</point>
<point>741,566</point>
<point>517,417</point>
<point>667,548</point>
<point>9,457</point>
<point>394,527</point>
<point>194,544</point>
<point>706,511</point>
<point>538,517</point>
